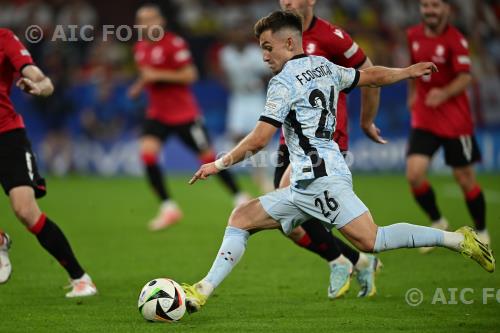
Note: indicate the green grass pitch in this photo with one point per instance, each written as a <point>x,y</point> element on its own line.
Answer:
<point>277,287</point>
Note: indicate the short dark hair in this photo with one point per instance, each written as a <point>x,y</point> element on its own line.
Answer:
<point>278,20</point>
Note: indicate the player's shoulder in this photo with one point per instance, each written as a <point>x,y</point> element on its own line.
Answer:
<point>454,34</point>
<point>415,31</point>
<point>332,30</point>
<point>6,33</point>
<point>173,40</point>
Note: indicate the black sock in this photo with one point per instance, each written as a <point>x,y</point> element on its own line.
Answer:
<point>53,240</point>
<point>228,180</point>
<point>155,178</point>
<point>347,251</point>
<point>319,240</point>
<point>424,195</point>
<point>477,207</point>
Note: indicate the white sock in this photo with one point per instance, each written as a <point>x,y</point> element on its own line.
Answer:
<point>230,252</point>
<point>453,240</point>
<point>205,287</point>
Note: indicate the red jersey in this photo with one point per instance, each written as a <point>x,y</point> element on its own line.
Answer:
<point>13,57</point>
<point>169,103</point>
<point>327,40</point>
<point>450,53</point>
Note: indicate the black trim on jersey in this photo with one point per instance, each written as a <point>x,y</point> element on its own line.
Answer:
<point>298,56</point>
<point>354,83</point>
<point>318,164</point>
<point>270,121</point>
<point>360,63</point>
<point>313,22</point>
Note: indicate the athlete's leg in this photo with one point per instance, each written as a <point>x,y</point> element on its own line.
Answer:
<point>245,219</point>
<point>421,147</point>
<point>368,237</point>
<point>461,153</point>
<point>151,144</point>
<point>50,237</point>
<point>150,149</point>
<point>474,197</point>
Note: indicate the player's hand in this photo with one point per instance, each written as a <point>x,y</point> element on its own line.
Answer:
<point>29,86</point>
<point>435,97</point>
<point>204,171</point>
<point>373,132</point>
<point>421,69</point>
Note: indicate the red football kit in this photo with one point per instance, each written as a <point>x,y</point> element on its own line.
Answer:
<point>449,51</point>
<point>13,58</point>
<point>327,40</point>
<point>169,103</point>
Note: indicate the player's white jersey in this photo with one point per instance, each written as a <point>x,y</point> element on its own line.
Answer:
<point>303,97</point>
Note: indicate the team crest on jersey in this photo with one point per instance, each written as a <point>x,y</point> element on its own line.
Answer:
<point>157,55</point>
<point>439,55</point>
<point>415,46</point>
<point>311,48</point>
<point>440,50</point>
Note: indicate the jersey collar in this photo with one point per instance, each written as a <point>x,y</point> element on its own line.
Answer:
<point>298,56</point>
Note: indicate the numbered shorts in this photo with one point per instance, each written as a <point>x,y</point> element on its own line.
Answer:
<point>329,199</point>
<point>193,134</point>
<point>458,152</point>
<point>18,163</point>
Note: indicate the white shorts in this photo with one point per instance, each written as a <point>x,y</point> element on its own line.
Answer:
<point>329,199</point>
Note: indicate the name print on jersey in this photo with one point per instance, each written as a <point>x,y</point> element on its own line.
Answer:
<point>315,73</point>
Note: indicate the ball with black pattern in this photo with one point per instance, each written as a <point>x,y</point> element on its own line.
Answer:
<point>162,300</point>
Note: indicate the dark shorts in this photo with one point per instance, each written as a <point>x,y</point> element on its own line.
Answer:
<point>18,163</point>
<point>458,152</point>
<point>193,134</point>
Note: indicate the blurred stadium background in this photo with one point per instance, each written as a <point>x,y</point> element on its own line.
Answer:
<point>90,126</point>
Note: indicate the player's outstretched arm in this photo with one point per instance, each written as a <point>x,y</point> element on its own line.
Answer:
<point>370,99</point>
<point>378,76</point>
<point>248,146</point>
<point>34,82</point>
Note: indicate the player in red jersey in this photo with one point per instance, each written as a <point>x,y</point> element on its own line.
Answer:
<point>441,114</point>
<point>325,39</point>
<point>18,169</point>
<point>166,71</point>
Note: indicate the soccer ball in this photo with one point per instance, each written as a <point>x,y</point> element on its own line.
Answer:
<point>162,300</point>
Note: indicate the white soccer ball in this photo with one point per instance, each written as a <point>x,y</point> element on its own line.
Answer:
<point>162,300</point>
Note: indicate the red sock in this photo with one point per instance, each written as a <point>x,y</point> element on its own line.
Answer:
<point>38,226</point>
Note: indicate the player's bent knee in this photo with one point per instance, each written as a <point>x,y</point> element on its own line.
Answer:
<point>367,245</point>
<point>239,218</point>
<point>24,213</point>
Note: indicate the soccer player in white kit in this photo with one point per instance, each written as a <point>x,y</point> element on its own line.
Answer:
<point>302,97</point>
